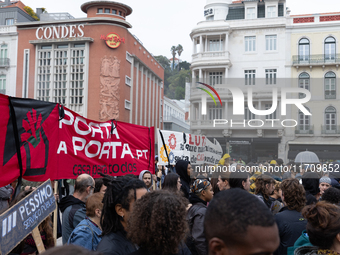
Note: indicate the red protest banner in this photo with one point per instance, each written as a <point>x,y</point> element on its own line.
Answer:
<point>57,143</point>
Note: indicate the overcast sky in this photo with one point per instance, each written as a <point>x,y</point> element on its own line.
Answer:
<point>160,24</point>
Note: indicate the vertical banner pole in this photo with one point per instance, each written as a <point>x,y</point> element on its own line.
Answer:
<point>37,239</point>
<point>55,214</point>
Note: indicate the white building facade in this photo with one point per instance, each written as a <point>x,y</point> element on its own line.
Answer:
<point>241,44</point>
<point>174,116</point>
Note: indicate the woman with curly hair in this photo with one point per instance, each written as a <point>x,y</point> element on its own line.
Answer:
<point>158,225</point>
<point>289,220</point>
<point>323,229</point>
<point>119,198</point>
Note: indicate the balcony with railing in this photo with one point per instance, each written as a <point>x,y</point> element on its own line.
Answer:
<point>316,60</point>
<point>304,130</point>
<point>330,129</point>
<point>4,62</point>
<point>330,94</point>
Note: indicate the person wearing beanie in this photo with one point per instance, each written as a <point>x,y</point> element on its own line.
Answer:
<point>324,184</point>
<point>310,182</point>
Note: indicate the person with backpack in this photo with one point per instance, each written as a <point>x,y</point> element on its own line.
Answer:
<point>200,194</point>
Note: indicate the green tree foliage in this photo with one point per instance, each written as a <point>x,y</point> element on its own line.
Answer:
<point>30,11</point>
<point>184,65</point>
<point>164,61</point>
<point>177,80</point>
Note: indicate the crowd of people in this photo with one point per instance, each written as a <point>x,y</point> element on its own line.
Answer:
<point>179,210</point>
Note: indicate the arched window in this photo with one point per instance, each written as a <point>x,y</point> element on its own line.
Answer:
<point>304,123</point>
<point>330,118</point>
<point>304,82</point>
<point>329,48</point>
<point>330,85</point>
<point>304,49</point>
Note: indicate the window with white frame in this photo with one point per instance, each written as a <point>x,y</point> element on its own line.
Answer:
<point>61,76</point>
<point>250,43</point>
<point>330,85</point>
<point>215,45</point>
<point>250,13</point>
<point>9,22</point>
<point>330,118</point>
<point>3,54</point>
<point>3,84</point>
<point>271,76</point>
<point>304,83</point>
<point>304,121</point>
<point>215,112</point>
<point>330,48</point>
<point>215,78</point>
<point>304,50</point>
<point>271,116</point>
<point>271,41</point>
<point>249,77</point>
<point>271,11</point>
<point>127,104</point>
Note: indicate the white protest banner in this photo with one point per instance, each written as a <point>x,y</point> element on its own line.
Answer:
<point>195,148</point>
<point>20,220</point>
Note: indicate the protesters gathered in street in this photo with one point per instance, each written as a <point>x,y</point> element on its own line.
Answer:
<point>289,220</point>
<point>172,182</point>
<point>73,206</point>
<point>265,188</point>
<point>239,180</point>
<point>88,232</point>
<point>200,194</point>
<point>237,222</point>
<point>157,224</point>
<point>120,196</point>
<point>183,169</point>
<point>323,229</point>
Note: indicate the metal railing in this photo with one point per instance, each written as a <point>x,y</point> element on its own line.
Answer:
<point>324,59</point>
<point>210,54</point>
<point>330,129</point>
<point>304,129</point>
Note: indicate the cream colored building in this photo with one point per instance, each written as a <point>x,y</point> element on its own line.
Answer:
<point>314,43</point>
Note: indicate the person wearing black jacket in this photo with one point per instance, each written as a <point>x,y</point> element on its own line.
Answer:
<point>120,195</point>
<point>289,220</point>
<point>183,169</point>
<point>201,193</point>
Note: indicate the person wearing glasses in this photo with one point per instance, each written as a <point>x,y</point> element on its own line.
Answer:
<point>73,206</point>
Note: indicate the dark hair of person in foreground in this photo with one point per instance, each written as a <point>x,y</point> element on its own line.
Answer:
<point>170,182</point>
<point>157,223</point>
<point>70,250</point>
<point>250,226</point>
<point>122,191</point>
<point>323,225</point>
<point>331,195</point>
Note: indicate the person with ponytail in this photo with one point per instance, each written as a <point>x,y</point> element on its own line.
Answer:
<point>120,196</point>
<point>323,229</point>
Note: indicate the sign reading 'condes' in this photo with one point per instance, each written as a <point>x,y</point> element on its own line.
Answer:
<point>59,32</point>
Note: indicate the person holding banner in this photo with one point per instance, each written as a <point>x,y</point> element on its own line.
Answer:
<point>120,196</point>
<point>88,232</point>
